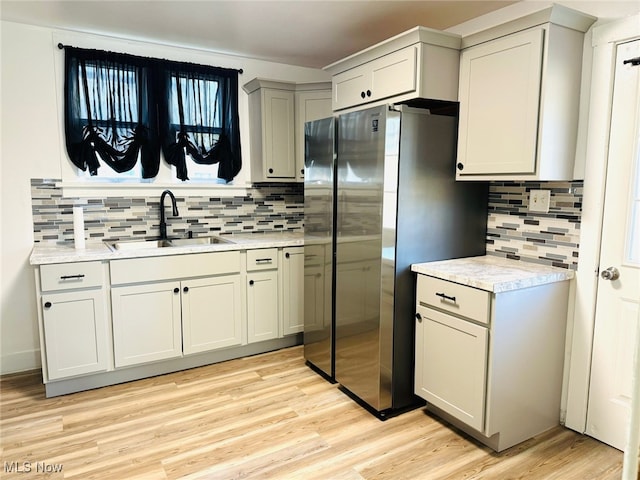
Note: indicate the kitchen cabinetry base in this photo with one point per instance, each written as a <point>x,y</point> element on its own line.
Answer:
<point>499,441</point>
<point>77,384</point>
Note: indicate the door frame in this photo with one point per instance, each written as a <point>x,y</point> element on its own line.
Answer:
<point>605,39</point>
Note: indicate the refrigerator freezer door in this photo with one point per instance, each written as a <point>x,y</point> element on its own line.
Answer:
<point>318,249</point>
<point>365,231</point>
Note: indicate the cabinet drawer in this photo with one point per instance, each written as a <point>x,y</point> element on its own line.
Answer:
<point>67,276</point>
<point>262,259</point>
<point>455,298</point>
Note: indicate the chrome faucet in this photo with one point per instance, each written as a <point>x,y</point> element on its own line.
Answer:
<point>163,222</point>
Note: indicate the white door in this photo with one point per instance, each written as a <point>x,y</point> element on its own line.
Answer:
<point>146,323</point>
<point>75,333</point>
<point>211,313</point>
<point>451,365</point>
<point>500,92</point>
<point>262,306</point>
<point>616,327</point>
<point>293,298</point>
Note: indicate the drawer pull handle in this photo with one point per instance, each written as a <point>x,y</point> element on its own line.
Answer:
<point>263,260</point>
<point>445,297</point>
<point>68,277</point>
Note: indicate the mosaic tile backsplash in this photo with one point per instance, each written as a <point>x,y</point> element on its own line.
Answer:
<point>268,207</point>
<point>512,231</point>
<point>547,238</point>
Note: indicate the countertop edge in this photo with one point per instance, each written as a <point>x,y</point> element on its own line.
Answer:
<point>46,255</point>
<point>498,274</point>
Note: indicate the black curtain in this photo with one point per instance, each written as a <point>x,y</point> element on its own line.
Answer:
<point>198,117</point>
<point>110,111</point>
<point>119,108</point>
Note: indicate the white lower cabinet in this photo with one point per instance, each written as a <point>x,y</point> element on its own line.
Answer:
<point>451,370</point>
<point>160,313</point>
<point>166,313</point>
<point>491,363</point>
<point>211,313</point>
<point>75,333</point>
<point>293,297</point>
<point>73,328</point>
<point>163,320</point>
<point>146,323</point>
<point>263,305</point>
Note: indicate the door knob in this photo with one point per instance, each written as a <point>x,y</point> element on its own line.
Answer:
<point>610,273</point>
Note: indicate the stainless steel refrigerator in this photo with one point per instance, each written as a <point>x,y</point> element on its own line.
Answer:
<point>388,198</point>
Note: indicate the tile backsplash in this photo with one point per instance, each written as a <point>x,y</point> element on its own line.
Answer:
<point>265,207</point>
<point>548,238</point>
<point>512,231</point>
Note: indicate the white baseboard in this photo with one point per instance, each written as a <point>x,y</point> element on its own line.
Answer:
<point>20,361</point>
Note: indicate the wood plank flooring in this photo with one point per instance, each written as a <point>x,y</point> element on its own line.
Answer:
<point>261,417</point>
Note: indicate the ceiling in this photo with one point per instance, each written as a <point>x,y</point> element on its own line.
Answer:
<point>299,32</point>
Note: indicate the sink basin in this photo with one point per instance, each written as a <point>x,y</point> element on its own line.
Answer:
<point>173,242</point>
<point>188,242</point>
<point>138,244</point>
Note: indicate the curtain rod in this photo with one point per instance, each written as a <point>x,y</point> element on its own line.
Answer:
<point>239,70</point>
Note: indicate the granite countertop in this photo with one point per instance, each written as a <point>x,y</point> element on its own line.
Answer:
<point>47,254</point>
<point>494,274</point>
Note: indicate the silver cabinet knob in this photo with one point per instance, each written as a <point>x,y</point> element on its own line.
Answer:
<point>610,273</point>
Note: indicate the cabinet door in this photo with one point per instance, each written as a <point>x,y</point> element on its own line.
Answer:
<point>394,74</point>
<point>146,323</point>
<point>75,333</point>
<point>499,105</point>
<point>384,77</point>
<point>293,280</point>
<point>211,313</point>
<point>311,105</point>
<point>350,87</point>
<point>262,305</point>
<point>278,125</point>
<point>451,365</point>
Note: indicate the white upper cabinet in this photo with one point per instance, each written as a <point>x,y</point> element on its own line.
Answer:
<point>419,63</point>
<point>519,98</point>
<point>271,129</point>
<point>390,75</point>
<point>278,111</point>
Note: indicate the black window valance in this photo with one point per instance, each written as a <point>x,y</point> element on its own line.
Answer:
<point>120,108</point>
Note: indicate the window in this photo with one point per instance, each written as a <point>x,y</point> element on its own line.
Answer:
<point>122,111</point>
<point>107,119</point>
<point>97,108</point>
<point>199,122</point>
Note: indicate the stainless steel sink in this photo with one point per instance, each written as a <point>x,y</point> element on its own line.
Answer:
<point>188,242</point>
<point>173,242</point>
<point>138,244</point>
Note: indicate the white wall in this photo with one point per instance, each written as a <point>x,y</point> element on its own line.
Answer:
<point>33,147</point>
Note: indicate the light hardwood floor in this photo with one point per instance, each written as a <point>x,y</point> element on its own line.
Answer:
<point>267,416</point>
